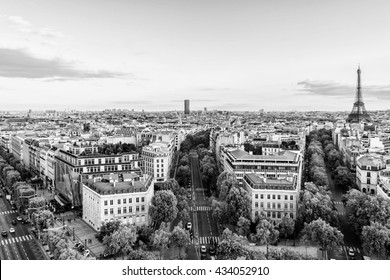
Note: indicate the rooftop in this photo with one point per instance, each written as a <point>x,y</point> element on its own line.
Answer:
<point>282,155</point>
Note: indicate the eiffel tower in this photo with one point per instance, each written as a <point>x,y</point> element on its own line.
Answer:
<point>359,112</point>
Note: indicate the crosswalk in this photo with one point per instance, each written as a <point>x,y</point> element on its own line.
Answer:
<point>338,202</point>
<point>341,213</point>
<point>207,240</point>
<point>355,249</point>
<point>7,212</point>
<point>15,239</point>
<point>201,208</point>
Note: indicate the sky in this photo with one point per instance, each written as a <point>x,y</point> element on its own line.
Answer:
<point>278,55</point>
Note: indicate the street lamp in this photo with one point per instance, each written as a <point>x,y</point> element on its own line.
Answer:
<point>74,238</point>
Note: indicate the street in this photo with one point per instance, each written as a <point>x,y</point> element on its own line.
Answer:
<point>351,240</point>
<point>20,245</point>
<point>204,227</point>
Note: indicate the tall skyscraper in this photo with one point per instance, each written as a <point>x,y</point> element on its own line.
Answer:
<point>359,112</point>
<point>186,107</point>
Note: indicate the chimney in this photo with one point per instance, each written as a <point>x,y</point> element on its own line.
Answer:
<point>251,153</point>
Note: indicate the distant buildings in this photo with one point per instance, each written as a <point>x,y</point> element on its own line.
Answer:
<point>157,158</point>
<point>186,107</point>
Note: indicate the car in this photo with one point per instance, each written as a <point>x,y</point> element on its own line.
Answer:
<point>4,233</point>
<point>1,195</point>
<point>351,253</point>
<point>19,218</point>
<point>189,226</point>
<point>76,245</point>
<point>203,249</point>
<point>86,253</point>
<point>81,248</point>
<point>12,230</point>
<point>13,222</point>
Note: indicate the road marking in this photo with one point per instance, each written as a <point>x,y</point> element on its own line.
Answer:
<point>207,239</point>
<point>16,239</point>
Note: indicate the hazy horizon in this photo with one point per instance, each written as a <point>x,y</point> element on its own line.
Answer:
<point>221,54</point>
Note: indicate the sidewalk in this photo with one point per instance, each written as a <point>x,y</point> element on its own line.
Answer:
<point>82,232</point>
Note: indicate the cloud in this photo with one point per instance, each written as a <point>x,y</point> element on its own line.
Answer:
<point>17,63</point>
<point>323,88</point>
<point>17,21</point>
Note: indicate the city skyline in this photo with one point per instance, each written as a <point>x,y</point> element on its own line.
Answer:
<point>224,55</point>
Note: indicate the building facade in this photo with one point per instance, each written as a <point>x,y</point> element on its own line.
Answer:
<point>368,168</point>
<point>126,201</point>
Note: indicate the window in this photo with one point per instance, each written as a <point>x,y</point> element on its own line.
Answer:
<point>291,215</point>
<point>268,214</point>
<point>256,205</point>
<point>137,200</point>
<point>285,206</point>
<point>119,201</point>
<point>105,211</point>
<point>268,196</point>
<point>261,204</point>
<point>124,201</point>
<point>291,197</point>
<point>111,202</point>
<point>124,210</point>
<point>130,200</point>
<point>111,211</point>
<point>291,206</point>
<point>119,211</point>
<point>273,205</point>
<point>279,206</point>
<point>130,209</point>
<point>368,174</point>
<point>368,181</point>
<point>268,205</point>
<point>286,197</point>
<point>137,209</point>
<point>279,215</point>
<point>273,214</point>
<point>256,196</point>
<point>261,196</point>
<point>105,203</point>
<point>142,207</point>
<point>278,196</point>
<point>273,196</point>
<point>142,199</point>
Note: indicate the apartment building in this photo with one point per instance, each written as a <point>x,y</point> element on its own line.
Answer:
<point>276,197</point>
<point>368,168</point>
<point>74,161</point>
<point>127,201</point>
<point>157,160</point>
<point>282,164</point>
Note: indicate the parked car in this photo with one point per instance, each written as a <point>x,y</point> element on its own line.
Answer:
<point>351,253</point>
<point>203,252</point>
<point>76,245</point>
<point>4,233</point>
<point>19,218</point>
<point>86,253</point>
<point>12,230</point>
<point>13,222</point>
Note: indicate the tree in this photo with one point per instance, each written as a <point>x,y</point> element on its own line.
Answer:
<point>219,211</point>
<point>286,227</point>
<point>362,209</point>
<point>243,226</point>
<point>226,180</point>
<point>141,254</point>
<point>231,246</point>
<point>238,204</point>
<point>107,229</point>
<point>266,233</point>
<point>163,207</point>
<point>376,239</point>
<point>183,175</point>
<point>43,219</point>
<point>121,241</point>
<point>161,239</point>
<point>315,202</point>
<point>37,202</point>
<point>144,234</point>
<point>343,178</point>
<point>322,233</point>
<point>180,237</point>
